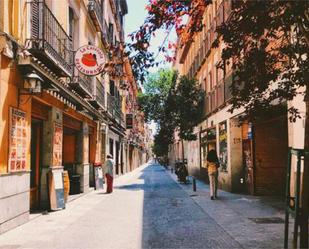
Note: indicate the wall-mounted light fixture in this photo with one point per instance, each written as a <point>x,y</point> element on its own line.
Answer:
<point>32,84</point>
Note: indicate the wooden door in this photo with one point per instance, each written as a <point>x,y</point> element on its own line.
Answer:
<point>271,150</point>
<point>36,147</point>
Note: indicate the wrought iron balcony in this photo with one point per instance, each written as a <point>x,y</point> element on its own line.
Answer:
<point>219,95</point>
<point>98,99</point>
<point>48,40</point>
<point>83,85</point>
<point>114,108</point>
<point>96,14</point>
<point>105,36</point>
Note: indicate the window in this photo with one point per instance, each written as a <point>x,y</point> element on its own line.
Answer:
<point>210,83</point>
<point>71,23</point>
<point>112,88</point>
<point>111,32</point>
<point>216,75</point>
<point>205,84</point>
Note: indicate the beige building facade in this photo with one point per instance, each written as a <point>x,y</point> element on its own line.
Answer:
<point>253,156</point>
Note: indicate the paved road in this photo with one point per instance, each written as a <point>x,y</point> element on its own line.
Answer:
<point>148,209</point>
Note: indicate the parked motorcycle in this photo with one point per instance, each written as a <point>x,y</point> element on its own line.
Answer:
<point>181,171</point>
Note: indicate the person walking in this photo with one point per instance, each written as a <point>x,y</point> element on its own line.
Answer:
<point>212,167</point>
<point>109,173</point>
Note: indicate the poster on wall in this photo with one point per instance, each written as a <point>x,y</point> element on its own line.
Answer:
<point>17,140</point>
<point>223,157</point>
<point>57,145</point>
<point>203,144</point>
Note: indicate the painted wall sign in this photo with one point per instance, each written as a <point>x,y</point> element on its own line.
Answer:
<point>129,121</point>
<point>17,140</point>
<point>89,60</point>
<point>57,145</point>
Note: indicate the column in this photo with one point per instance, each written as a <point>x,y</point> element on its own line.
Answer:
<point>83,158</point>
<point>51,151</point>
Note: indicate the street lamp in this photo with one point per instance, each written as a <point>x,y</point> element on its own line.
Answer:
<point>32,84</point>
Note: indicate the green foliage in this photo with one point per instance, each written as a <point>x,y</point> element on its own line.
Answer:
<point>267,42</point>
<point>156,91</point>
<point>174,103</point>
<point>189,102</point>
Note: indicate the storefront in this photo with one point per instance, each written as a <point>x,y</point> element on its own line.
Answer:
<point>72,148</point>
<point>208,141</point>
<point>39,115</point>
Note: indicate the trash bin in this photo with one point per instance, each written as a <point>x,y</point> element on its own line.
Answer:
<point>75,185</point>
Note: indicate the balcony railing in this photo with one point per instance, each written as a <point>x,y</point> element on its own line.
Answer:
<point>48,40</point>
<point>218,96</point>
<point>96,14</point>
<point>105,33</point>
<point>98,99</point>
<point>114,108</point>
<point>82,84</point>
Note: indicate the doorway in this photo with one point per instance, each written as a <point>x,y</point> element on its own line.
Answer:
<point>117,157</point>
<point>36,159</point>
<point>270,155</point>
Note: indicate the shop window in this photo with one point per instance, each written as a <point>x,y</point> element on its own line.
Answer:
<point>223,154</point>
<point>208,142</point>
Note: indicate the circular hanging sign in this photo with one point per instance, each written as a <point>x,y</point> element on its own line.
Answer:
<point>89,60</point>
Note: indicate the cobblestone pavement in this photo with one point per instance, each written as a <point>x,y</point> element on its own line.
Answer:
<point>149,209</point>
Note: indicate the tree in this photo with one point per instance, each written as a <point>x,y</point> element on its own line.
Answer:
<point>267,43</point>
<point>174,103</point>
<point>157,104</point>
<point>189,99</point>
<point>169,15</point>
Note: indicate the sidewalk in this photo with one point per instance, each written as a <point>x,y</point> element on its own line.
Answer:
<point>254,222</point>
<point>149,209</point>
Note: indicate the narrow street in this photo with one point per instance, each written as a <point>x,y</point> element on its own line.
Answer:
<point>149,209</point>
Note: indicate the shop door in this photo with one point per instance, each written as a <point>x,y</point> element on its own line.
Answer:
<point>36,147</point>
<point>121,159</point>
<point>271,149</point>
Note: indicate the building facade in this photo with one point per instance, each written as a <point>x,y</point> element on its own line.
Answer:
<point>253,156</point>
<point>53,117</point>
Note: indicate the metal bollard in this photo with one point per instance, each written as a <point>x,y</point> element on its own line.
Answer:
<point>194,184</point>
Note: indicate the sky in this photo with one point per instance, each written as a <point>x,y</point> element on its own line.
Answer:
<point>133,20</point>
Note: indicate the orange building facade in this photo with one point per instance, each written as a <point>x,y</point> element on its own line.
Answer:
<point>54,118</point>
